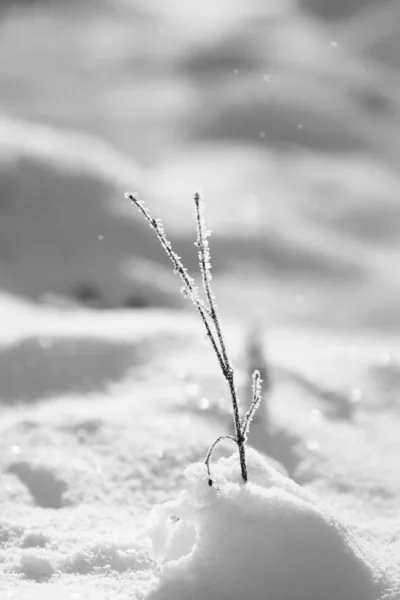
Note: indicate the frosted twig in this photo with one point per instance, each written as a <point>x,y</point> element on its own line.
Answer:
<point>179,269</point>
<point>227,370</point>
<point>255,403</point>
<point>205,268</point>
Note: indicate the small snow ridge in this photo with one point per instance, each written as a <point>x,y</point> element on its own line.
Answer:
<point>105,558</point>
<point>46,487</point>
<point>40,564</point>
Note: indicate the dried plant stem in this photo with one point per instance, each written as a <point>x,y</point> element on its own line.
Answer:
<point>227,370</point>
<point>209,453</point>
<point>205,269</point>
<point>255,403</point>
<point>208,311</point>
<point>188,281</point>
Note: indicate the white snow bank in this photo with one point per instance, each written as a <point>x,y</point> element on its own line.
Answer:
<point>266,540</point>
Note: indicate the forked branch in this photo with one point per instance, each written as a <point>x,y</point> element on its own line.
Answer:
<point>209,314</point>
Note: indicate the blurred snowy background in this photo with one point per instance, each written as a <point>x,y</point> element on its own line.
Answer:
<point>286,113</point>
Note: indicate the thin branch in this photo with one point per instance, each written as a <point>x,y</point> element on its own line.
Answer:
<point>227,370</point>
<point>205,269</point>
<point>209,453</point>
<point>179,269</point>
<point>255,403</point>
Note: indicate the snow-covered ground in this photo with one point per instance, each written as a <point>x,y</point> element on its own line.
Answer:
<point>287,118</point>
<point>102,413</point>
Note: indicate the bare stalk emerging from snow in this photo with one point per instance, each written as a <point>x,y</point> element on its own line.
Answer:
<point>208,311</point>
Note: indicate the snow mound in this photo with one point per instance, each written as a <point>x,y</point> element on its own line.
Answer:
<point>266,540</point>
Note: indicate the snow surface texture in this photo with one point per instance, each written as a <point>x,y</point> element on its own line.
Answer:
<point>82,467</point>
